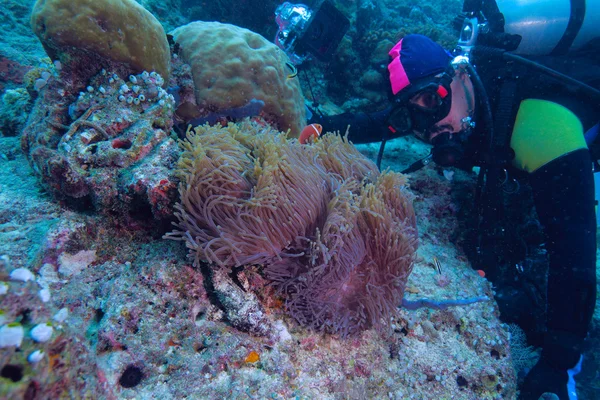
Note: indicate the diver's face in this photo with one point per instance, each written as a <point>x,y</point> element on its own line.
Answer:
<point>463,103</point>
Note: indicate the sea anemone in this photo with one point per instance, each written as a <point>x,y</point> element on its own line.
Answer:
<point>352,276</point>
<point>336,237</point>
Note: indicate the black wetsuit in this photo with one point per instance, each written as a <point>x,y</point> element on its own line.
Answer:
<point>563,191</point>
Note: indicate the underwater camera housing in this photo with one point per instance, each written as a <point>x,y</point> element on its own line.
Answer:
<point>304,32</point>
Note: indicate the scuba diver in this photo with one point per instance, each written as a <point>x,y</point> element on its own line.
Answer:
<point>508,114</point>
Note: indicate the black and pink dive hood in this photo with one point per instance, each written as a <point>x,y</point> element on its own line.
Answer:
<point>415,57</point>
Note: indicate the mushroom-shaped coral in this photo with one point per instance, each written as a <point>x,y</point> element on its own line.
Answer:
<point>86,35</point>
<point>336,237</point>
<point>232,66</point>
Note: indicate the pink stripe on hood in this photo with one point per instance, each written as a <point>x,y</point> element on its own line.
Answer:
<point>398,77</point>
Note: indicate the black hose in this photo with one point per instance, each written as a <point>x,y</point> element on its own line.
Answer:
<point>488,120</point>
<point>315,104</point>
<point>380,154</point>
<point>484,99</point>
<point>484,51</point>
<point>555,74</point>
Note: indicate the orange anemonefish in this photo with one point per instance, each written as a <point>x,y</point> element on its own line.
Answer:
<point>481,273</point>
<point>312,130</point>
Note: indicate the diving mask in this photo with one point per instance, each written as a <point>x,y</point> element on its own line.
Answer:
<point>421,106</point>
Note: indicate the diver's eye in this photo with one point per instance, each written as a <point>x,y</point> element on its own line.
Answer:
<point>427,100</point>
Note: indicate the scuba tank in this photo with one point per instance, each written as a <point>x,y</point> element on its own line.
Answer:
<point>531,28</point>
<point>551,26</point>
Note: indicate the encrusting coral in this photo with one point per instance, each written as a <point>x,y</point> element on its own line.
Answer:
<point>109,148</point>
<point>336,237</point>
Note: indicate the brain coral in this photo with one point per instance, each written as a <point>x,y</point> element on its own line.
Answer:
<point>120,31</point>
<point>232,66</point>
<point>334,236</point>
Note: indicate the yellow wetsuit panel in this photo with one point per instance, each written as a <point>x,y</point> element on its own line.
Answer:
<point>544,131</point>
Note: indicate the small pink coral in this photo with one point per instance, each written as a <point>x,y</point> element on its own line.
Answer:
<point>442,280</point>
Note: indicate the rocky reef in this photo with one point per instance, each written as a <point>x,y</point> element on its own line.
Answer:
<point>141,319</point>
<point>100,131</point>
